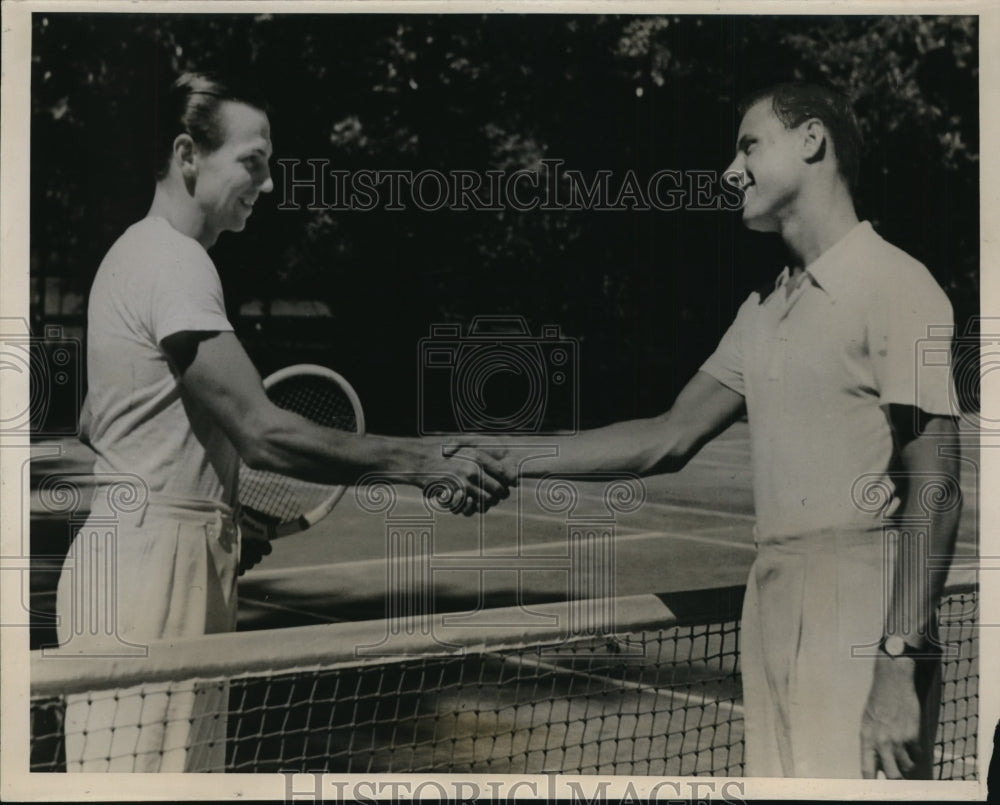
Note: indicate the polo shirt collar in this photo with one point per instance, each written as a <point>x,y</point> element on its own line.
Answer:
<point>829,270</point>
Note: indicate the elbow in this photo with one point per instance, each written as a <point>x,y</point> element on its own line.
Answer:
<point>679,457</point>
<point>254,454</point>
<point>674,455</point>
<point>255,457</point>
<point>251,442</point>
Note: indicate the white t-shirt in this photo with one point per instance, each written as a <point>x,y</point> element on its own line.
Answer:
<point>815,368</point>
<point>154,282</point>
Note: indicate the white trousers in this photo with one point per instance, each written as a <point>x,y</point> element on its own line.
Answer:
<point>169,570</point>
<point>812,617</point>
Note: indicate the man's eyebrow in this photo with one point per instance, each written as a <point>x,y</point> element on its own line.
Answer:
<point>259,149</point>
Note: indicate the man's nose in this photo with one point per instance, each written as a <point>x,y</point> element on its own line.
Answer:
<point>735,174</point>
<point>268,184</point>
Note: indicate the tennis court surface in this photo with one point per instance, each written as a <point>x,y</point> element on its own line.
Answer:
<point>494,656</point>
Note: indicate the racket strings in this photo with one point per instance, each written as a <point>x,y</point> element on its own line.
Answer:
<point>318,399</point>
<point>279,498</point>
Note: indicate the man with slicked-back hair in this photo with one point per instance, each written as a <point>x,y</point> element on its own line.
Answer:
<point>174,399</point>
<point>840,665</point>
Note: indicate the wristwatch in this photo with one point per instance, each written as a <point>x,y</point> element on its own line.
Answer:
<point>895,646</point>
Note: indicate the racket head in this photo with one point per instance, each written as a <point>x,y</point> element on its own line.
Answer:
<point>278,504</point>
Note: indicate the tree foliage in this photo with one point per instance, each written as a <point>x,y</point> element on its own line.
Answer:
<point>647,293</point>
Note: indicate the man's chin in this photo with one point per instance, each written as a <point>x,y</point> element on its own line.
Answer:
<point>757,223</point>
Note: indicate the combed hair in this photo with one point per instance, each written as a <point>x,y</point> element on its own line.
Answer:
<point>794,103</point>
<point>191,106</point>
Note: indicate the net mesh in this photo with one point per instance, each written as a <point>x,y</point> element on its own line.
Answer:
<point>654,701</point>
<point>275,498</point>
<point>958,722</point>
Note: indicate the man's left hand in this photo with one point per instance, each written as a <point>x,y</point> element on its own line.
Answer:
<point>890,727</point>
<point>254,546</point>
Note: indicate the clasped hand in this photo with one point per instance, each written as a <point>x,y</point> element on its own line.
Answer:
<point>473,474</point>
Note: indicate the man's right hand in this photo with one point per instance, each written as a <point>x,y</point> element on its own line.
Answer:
<point>469,476</point>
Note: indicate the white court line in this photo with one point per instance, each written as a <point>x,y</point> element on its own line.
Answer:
<point>727,444</point>
<point>968,486</point>
<point>505,552</point>
<point>639,687</point>
<point>294,610</point>
<point>717,463</point>
<point>679,508</point>
<point>663,507</point>
<point>510,511</point>
<point>500,553</point>
<point>731,449</point>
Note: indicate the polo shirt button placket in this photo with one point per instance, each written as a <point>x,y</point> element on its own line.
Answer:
<point>775,367</point>
<point>777,360</point>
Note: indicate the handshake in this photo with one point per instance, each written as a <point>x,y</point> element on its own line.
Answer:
<point>469,473</point>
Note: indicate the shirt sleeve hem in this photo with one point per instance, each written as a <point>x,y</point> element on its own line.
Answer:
<point>932,407</point>
<point>723,378</point>
<point>218,326</point>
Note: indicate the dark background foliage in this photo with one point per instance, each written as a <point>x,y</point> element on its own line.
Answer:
<point>646,294</point>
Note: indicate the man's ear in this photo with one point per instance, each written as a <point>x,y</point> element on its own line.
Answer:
<point>184,158</point>
<point>813,140</point>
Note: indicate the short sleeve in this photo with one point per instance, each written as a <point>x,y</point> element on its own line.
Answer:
<point>910,332</point>
<point>726,364</point>
<point>187,296</point>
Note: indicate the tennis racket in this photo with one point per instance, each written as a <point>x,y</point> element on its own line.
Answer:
<point>279,504</point>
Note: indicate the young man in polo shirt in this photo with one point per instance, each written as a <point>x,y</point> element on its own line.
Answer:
<point>825,364</point>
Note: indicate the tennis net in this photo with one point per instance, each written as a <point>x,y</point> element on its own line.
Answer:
<point>489,692</point>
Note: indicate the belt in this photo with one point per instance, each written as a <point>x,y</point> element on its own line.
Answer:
<point>169,507</point>
<point>827,539</point>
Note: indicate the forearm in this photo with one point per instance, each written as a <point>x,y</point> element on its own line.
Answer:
<point>289,444</point>
<point>640,446</point>
<point>925,549</point>
<point>927,524</point>
<point>704,408</point>
<point>927,530</point>
<point>891,725</point>
<point>217,375</point>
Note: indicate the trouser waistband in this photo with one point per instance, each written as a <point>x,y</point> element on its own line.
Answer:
<point>158,506</point>
<point>828,540</point>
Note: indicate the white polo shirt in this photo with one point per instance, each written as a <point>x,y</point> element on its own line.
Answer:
<point>816,366</point>
<point>154,282</point>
